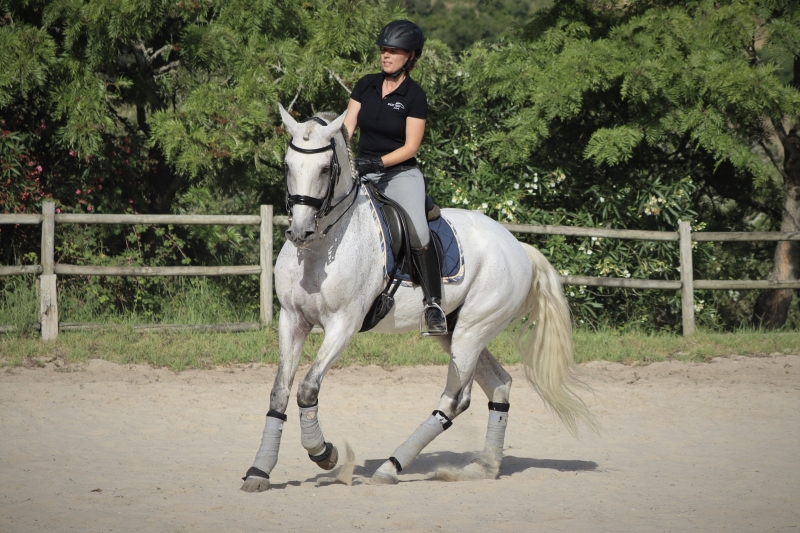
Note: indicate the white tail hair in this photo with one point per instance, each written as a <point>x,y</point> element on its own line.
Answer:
<point>545,345</point>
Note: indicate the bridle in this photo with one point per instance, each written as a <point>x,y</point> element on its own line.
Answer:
<point>323,205</point>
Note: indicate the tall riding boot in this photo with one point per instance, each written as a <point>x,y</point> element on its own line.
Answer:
<point>426,262</point>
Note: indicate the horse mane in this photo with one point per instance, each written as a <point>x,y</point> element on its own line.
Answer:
<point>330,116</point>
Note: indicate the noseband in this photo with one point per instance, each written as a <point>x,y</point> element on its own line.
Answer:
<point>323,205</point>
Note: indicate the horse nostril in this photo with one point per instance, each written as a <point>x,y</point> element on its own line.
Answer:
<point>307,235</point>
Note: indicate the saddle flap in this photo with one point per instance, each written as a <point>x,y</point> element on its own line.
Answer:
<point>392,217</point>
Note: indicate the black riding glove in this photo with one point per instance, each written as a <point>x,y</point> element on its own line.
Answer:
<point>369,165</point>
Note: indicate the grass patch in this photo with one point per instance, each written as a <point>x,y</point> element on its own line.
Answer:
<point>19,304</point>
<point>637,347</point>
<point>187,350</point>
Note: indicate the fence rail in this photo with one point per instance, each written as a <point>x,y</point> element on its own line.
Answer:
<point>227,220</point>
<point>20,269</point>
<point>80,270</point>
<point>48,270</point>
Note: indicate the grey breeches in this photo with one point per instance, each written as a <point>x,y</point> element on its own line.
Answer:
<point>407,188</point>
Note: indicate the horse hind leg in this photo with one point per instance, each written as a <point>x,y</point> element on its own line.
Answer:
<point>496,383</point>
<point>454,401</point>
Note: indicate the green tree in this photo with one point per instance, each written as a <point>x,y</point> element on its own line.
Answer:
<point>461,23</point>
<point>653,111</point>
<point>160,106</point>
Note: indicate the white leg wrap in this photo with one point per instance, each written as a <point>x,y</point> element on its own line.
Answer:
<point>267,455</point>
<point>310,432</point>
<point>424,435</point>
<point>496,434</point>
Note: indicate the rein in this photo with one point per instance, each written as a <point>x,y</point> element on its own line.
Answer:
<point>323,205</point>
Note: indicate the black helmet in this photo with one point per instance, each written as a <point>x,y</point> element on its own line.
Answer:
<point>402,34</point>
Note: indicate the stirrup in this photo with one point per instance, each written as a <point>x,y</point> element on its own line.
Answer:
<point>423,330</point>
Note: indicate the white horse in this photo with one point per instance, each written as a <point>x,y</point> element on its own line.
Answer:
<point>330,271</point>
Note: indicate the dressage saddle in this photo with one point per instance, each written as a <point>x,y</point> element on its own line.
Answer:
<point>395,219</point>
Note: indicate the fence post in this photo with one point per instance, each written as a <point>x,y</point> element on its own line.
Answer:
<point>265,292</point>
<point>48,302</point>
<point>687,278</point>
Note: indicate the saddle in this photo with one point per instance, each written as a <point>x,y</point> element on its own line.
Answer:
<point>403,268</point>
<point>395,219</point>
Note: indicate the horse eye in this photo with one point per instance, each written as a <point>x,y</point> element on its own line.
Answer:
<point>326,169</point>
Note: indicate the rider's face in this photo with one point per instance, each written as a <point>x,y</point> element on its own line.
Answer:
<point>393,59</point>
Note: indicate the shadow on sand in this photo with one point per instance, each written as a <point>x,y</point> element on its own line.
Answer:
<point>429,462</point>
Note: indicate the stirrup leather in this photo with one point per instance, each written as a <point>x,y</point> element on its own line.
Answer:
<point>423,323</point>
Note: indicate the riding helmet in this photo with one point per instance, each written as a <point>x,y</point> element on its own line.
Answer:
<point>402,34</point>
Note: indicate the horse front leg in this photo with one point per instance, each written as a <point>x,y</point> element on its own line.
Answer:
<point>324,454</point>
<point>292,333</point>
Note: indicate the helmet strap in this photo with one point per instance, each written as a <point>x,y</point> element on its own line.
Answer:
<point>403,69</point>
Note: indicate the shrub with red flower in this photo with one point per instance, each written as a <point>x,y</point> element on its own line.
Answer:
<point>21,189</point>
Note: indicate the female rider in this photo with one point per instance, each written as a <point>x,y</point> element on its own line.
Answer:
<point>390,109</point>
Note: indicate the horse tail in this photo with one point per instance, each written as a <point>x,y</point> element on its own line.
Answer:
<point>545,346</point>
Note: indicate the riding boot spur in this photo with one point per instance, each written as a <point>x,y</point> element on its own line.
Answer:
<point>426,261</point>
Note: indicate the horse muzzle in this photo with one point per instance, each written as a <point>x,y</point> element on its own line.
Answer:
<point>301,235</point>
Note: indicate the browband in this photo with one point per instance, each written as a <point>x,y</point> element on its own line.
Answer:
<point>331,146</point>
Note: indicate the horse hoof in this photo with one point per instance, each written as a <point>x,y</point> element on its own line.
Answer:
<point>385,475</point>
<point>478,471</point>
<point>255,484</point>
<point>330,462</point>
<point>486,465</point>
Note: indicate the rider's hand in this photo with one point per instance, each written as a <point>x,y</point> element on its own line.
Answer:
<point>369,165</point>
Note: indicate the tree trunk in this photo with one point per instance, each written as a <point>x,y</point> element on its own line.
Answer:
<point>772,307</point>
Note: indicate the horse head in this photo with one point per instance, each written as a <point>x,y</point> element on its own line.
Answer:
<point>312,166</point>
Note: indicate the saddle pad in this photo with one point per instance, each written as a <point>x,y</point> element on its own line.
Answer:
<point>442,233</point>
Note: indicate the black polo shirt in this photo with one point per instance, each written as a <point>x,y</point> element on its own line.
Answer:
<point>382,121</point>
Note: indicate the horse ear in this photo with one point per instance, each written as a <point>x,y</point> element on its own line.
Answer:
<point>331,129</point>
<point>290,123</point>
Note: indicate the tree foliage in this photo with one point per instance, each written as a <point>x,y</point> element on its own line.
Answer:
<point>157,106</point>
<point>638,116</point>
<point>635,115</point>
<point>460,23</point>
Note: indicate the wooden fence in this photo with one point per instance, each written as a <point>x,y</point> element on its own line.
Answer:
<point>49,270</point>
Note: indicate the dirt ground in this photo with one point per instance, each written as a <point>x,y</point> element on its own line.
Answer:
<point>686,447</point>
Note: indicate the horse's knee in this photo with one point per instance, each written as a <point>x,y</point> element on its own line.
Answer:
<point>279,399</point>
<point>281,389</point>
<point>307,393</point>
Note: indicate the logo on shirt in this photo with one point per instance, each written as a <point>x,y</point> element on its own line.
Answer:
<point>397,106</point>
